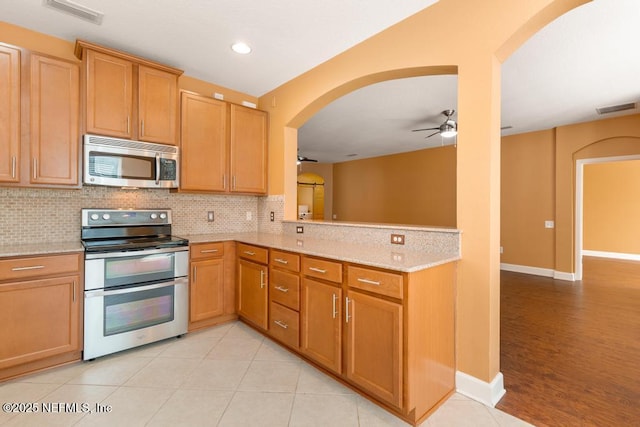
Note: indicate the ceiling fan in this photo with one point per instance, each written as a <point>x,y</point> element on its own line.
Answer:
<point>305,159</point>
<point>447,129</point>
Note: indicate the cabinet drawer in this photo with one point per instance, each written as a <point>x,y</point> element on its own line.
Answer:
<point>380,282</point>
<point>254,253</point>
<point>322,269</point>
<point>285,260</point>
<point>18,268</point>
<point>284,288</point>
<point>284,324</point>
<point>206,250</point>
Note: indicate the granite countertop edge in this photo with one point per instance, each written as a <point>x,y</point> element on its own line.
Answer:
<point>398,259</point>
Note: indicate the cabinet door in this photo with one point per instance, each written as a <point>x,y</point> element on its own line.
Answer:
<point>54,117</point>
<point>9,114</point>
<point>38,319</point>
<point>374,346</point>
<point>109,95</point>
<point>321,322</point>
<point>206,297</point>
<point>248,150</point>
<point>203,144</point>
<point>252,290</point>
<point>157,105</point>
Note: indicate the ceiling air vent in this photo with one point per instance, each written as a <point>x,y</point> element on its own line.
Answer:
<point>616,108</point>
<point>76,9</point>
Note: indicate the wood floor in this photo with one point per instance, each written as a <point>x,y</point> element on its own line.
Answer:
<point>570,351</point>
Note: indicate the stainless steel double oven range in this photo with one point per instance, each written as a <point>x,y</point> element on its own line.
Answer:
<point>136,279</point>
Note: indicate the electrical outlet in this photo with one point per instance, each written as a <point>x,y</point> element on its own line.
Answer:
<point>299,229</point>
<point>249,216</point>
<point>549,224</point>
<point>210,216</point>
<point>397,239</point>
<point>501,250</point>
<point>272,216</point>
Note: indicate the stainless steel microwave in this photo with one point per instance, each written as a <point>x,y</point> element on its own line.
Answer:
<point>124,163</point>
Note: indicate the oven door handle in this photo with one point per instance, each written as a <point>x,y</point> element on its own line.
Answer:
<point>105,293</point>
<point>132,253</point>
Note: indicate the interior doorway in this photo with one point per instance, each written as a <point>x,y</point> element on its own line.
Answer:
<point>310,196</point>
<point>580,201</point>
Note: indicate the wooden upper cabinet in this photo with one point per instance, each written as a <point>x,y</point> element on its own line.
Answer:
<point>203,143</point>
<point>157,105</point>
<point>109,95</point>
<point>9,114</point>
<point>127,96</point>
<point>54,120</point>
<point>248,150</point>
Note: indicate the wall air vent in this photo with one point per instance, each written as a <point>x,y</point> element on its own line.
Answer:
<point>616,108</point>
<point>75,9</point>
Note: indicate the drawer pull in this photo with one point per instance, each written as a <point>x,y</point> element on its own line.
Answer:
<point>249,253</point>
<point>282,289</point>
<point>13,166</point>
<point>31,267</point>
<point>281,324</point>
<point>318,270</point>
<point>261,279</point>
<point>208,251</point>
<point>368,282</point>
<point>281,261</point>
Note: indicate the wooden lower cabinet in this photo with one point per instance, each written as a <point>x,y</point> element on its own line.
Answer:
<point>211,284</point>
<point>321,324</point>
<point>374,346</point>
<point>40,312</point>
<point>253,296</point>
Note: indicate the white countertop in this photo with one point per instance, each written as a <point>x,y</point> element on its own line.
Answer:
<point>374,256</point>
<point>40,248</point>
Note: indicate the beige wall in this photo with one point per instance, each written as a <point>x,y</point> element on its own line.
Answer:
<point>611,209</point>
<point>417,188</point>
<point>452,36</point>
<point>538,184</point>
<point>527,199</point>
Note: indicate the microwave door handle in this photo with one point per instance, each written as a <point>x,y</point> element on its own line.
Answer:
<point>157,168</point>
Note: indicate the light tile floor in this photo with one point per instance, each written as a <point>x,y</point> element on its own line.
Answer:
<point>228,375</point>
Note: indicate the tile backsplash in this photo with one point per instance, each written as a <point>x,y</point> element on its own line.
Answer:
<point>50,215</point>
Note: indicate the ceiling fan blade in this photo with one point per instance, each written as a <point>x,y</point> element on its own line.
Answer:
<point>306,159</point>
<point>418,130</point>
<point>435,133</point>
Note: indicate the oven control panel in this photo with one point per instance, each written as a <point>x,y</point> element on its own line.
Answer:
<point>125,217</point>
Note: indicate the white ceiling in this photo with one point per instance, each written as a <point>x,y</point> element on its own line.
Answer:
<point>586,59</point>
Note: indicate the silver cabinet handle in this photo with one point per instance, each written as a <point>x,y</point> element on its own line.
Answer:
<point>128,124</point>
<point>317,270</point>
<point>224,182</point>
<point>369,282</point>
<point>281,261</point>
<point>261,279</point>
<point>282,289</point>
<point>347,308</point>
<point>208,251</point>
<point>281,324</point>
<point>141,127</point>
<point>335,311</point>
<point>73,295</point>
<point>13,166</point>
<point>35,168</point>
<point>233,182</point>
<point>249,253</point>
<point>195,274</point>
<point>31,267</point>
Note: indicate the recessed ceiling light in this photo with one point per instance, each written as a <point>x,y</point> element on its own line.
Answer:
<point>241,48</point>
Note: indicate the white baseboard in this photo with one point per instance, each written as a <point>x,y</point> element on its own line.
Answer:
<point>537,271</point>
<point>612,255</point>
<point>488,394</point>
